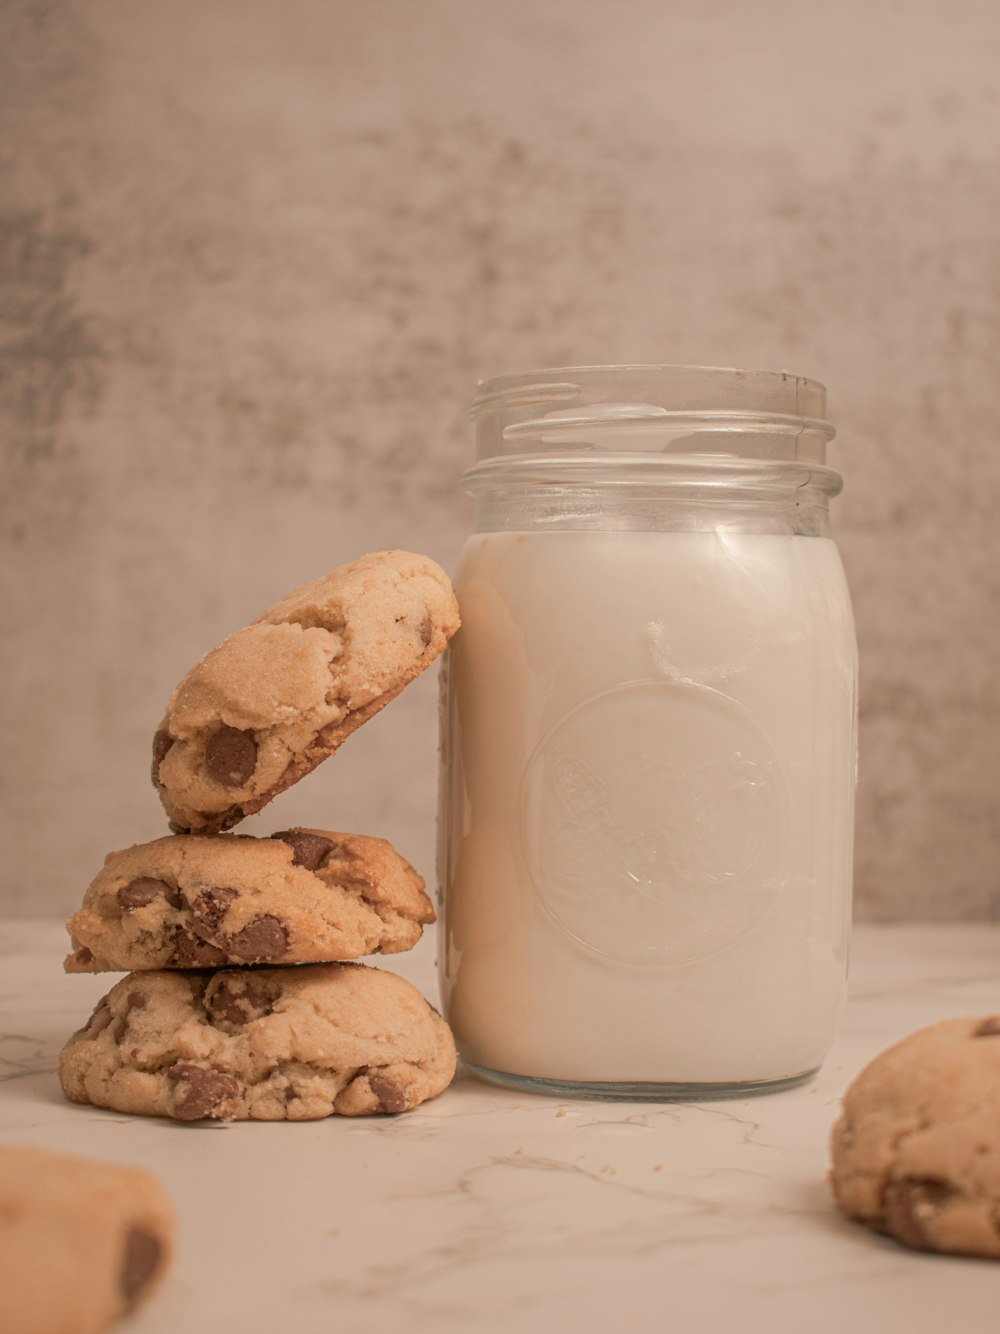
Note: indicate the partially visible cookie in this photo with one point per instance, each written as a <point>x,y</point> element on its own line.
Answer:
<point>81,1242</point>
<point>270,702</point>
<point>301,896</point>
<point>916,1152</point>
<point>265,1044</point>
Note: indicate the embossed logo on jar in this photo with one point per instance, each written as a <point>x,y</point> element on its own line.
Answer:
<point>653,822</point>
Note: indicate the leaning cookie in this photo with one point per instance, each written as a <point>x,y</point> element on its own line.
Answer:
<point>81,1242</point>
<point>265,1044</point>
<point>916,1152</point>
<point>270,702</point>
<point>199,901</point>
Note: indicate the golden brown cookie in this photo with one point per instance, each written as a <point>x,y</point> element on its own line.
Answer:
<point>262,1044</point>
<point>916,1151</point>
<point>197,901</point>
<point>81,1242</point>
<point>270,702</point>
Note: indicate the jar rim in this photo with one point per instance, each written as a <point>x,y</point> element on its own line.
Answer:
<point>652,408</point>
<point>495,389</point>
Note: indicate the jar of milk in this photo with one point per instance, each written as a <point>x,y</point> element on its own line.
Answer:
<point>648,756</point>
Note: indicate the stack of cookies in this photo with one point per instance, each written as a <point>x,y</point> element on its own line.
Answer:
<point>239,1002</point>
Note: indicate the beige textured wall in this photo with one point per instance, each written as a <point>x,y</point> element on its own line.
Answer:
<point>255,255</point>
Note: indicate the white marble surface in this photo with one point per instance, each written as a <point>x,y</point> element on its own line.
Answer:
<point>494,1211</point>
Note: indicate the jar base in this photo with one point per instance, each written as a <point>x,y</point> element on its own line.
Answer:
<point>638,1090</point>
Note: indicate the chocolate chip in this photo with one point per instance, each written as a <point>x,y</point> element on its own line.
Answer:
<point>988,1028</point>
<point>308,850</point>
<point>143,1251</point>
<point>210,907</point>
<point>909,1203</point>
<point>263,939</point>
<point>138,893</point>
<point>202,1092</point>
<point>391,1097</point>
<point>162,742</point>
<point>83,955</point>
<point>192,952</point>
<point>239,998</point>
<point>231,756</point>
<point>426,631</point>
<point>136,1001</point>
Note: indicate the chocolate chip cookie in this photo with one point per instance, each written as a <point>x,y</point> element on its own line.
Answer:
<point>916,1151</point>
<point>265,1044</point>
<point>273,700</point>
<point>200,901</point>
<point>81,1242</point>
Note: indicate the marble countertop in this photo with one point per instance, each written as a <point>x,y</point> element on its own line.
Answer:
<point>497,1211</point>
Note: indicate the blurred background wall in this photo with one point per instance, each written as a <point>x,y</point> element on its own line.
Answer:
<point>255,255</point>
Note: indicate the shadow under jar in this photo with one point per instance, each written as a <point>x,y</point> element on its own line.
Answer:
<point>648,758</point>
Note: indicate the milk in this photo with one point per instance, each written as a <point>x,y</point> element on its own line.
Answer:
<point>647,802</point>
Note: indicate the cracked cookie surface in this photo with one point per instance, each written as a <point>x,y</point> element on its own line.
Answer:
<point>265,1044</point>
<point>196,901</point>
<point>916,1152</point>
<point>81,1242</point>
<point>273,700</point>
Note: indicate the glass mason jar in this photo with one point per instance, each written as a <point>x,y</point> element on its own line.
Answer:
<point>648,751</point>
